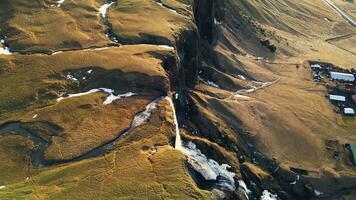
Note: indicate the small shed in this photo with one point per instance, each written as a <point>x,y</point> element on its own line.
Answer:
<point>337,98</point>
<point>349,111</point>
<point>342,76</point>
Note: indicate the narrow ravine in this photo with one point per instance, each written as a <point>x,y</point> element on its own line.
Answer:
<point>209,169</point>
<point>103,15</point>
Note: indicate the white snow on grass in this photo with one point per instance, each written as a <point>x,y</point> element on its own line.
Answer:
<point>317,193</point>
<point>241,77</point>
<point>209,168</point>
<point>35,116</point>
<point>163,6</point>
<point>166,47</point>
<point>2,187</point>
<point>266,195</point>
<point>78,94</point>
<point>104,8</point>
<point>142,117</point>
<point>4,50</point>
<point>256,86</point>
<point>210,83</point>
<point>57,52</point>
<point>213,84</point>
<point>243,186</point>
<point>60,2</point>
<point>71,77</point>
<point>99,48</point>
<point>217,22</point>
<point>111,98</point>
<point>241,97</point>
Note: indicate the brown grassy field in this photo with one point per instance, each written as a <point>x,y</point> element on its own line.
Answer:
<point>291,119</point>
<point>130,171</point>
<point>288,121</point>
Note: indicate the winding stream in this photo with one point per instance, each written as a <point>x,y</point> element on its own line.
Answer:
<point>37,155</point>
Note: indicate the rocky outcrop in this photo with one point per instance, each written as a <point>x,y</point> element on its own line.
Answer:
<point>259,179</point>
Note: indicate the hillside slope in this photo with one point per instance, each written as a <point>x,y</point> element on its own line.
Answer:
<point>172,99</point>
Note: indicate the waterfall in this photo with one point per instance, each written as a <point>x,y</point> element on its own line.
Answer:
<point>208,168</point>
<point>178,143</point>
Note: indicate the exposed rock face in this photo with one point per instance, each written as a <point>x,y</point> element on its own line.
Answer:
<point>262,179</point>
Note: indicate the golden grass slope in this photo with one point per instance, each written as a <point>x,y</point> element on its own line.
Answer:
<point>131,171</point>
<point>29,82</point>
<point>144,21</point>
<point>291,119</point>
<point>38,26</point>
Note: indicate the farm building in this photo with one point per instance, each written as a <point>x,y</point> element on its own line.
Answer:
<point>349,111</point>
<point>337,98</point>
<point>342,76</point>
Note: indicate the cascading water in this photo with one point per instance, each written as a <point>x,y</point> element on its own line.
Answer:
<point>208,168</point>
<point>178,143</point>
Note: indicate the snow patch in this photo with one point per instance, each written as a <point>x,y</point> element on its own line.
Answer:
<point>266,195</point>
<point>166,47</point>
<point>2,187</point>
<point>209,168</point>
<point>241,97</point>
<point>255,86</point>
<point>60,2</point>
<point>112,97</point>
<point>89,71</point>
<point>317,193</point>
<point>217,22</point>
<point>104,8</point>
<point>57,52</point>
<point>78,94</point>
<point>4,50</point>
<point>241,77</point>
<point>163,6</point>
<point>213,84</point>
<point>35,116</point>
<point>99,49</point>
<point>142,117</point>
<point>71,77</point>
<point>243,186</point>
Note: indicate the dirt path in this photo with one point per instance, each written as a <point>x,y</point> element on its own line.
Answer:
<point>340,12</point>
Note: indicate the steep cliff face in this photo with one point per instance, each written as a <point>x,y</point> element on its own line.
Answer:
<point>249,61</point>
